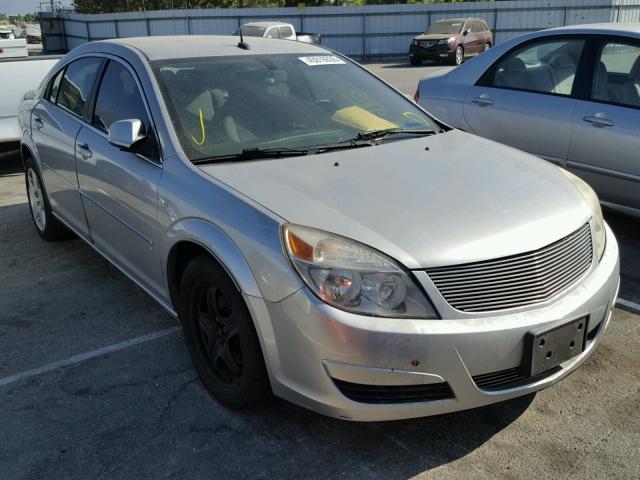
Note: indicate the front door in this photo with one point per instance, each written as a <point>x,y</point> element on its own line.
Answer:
<point>524,100</point>
<point>119,188</point>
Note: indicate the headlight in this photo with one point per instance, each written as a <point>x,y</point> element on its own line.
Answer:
<point>352,276</point>
<point>594,204</point>
<point>443,42</point>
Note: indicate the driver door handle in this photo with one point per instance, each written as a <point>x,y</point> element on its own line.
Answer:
<point>84,150</point>
<point>483,100</point>
<point>599,121</point>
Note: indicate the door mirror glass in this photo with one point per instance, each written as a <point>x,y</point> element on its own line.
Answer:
<point>126,133</point>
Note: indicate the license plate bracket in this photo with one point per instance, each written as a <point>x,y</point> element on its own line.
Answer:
<point>546,349</point>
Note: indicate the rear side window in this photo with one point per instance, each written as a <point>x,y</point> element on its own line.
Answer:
<point>285,32</point>
<point>76,84</point>
<point>617,76</point>
<point>54,85</point>
<point>548,66</point>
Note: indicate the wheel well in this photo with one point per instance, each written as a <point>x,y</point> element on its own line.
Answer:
<point>179,257</point>
<point>24,154</point>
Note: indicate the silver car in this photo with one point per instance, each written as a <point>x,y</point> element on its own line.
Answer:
<point>570,95</point>
<point>317,233</point>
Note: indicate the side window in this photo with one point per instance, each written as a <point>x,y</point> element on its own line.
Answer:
<point>76,84</point>
<point>272,33</point>
<point>546,67</point>
<point>54,85</point>
<point>617,76</point>
<point>119,99</point>
<point>285,32</point>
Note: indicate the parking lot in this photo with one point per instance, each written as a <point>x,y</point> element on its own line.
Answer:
<point>95,382</point>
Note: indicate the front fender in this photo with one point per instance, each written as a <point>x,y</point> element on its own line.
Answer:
<point>213,239</point>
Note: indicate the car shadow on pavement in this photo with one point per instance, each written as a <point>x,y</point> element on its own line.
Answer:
<point>394,449</point>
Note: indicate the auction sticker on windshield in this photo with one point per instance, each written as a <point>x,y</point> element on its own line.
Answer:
<point>322,60</point>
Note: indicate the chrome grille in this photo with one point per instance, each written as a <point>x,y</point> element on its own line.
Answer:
<point>517,280</point>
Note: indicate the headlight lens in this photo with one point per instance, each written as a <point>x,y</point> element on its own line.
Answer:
<point>594,204</point>
<point>443,42</point>
<point>352,276</point>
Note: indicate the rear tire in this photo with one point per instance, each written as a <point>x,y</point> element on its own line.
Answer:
<point>47,226</point>
<point>415,61</point>
<point>220,335</point>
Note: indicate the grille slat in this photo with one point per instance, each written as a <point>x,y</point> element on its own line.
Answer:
<point>523,267</point>
<point>518,280</point>
<point>542,289</point>
<point>546,279</point>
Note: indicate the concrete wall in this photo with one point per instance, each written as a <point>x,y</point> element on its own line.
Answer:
<point>373,30</point>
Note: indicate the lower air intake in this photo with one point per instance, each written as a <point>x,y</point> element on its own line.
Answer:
<point>394,393</point>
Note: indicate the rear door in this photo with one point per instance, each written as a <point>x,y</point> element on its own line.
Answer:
<point>525,99</point>
<point>119,187</point>
<point>605,144</point>
<point>55,123</point>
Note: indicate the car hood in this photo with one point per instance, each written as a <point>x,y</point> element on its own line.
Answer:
<point>446,199</point>
<point>435,36</point>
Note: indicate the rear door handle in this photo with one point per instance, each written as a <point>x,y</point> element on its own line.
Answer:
<point>483,100</point>
<point>599,121</point>
<point>38,123</point>
<point>84,150</point>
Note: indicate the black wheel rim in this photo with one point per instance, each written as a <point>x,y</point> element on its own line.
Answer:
<point>217,331</point>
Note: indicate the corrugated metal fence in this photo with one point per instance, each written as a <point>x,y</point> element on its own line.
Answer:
<point>372,30</point>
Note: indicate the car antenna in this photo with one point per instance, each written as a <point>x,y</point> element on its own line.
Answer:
<point>241,43</point>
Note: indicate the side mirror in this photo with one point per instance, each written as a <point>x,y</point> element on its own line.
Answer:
<point>126,133</point>
<point>465,33</point>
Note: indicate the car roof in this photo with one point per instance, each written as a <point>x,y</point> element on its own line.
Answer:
<point>265,24</point>
<point>194,46</point>
<point>460,20</point>
<point>604,28</point>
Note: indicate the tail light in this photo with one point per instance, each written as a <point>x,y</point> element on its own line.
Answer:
<point>416,96</point>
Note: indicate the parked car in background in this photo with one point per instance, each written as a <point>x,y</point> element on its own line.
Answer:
<point>319,234</point>
<point>570,95</point>
<point>283,31</point>
<point>452,40</point>
<point>6,33</point>
<point>18,76</point>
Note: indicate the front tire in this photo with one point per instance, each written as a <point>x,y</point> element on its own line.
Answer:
<point>220,335</point>
<point>458,56</point>
<point>47,226</point>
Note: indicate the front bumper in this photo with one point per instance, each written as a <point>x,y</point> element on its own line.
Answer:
<point>310,348</point>
<point>433,52</point>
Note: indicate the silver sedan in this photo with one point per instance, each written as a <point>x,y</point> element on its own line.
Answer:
<point>570,95</point>
<point>318,234</point>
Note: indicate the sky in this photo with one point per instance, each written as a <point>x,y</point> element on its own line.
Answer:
<point>15,7</point>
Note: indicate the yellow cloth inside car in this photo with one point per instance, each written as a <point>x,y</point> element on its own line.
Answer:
<point>361,119</point>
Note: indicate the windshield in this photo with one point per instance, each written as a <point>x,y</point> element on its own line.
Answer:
<point>251,31</point>
<point>226,105</point>
<point>446,28</point>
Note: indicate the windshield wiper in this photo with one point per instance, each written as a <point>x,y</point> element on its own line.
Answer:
<point>380,134</point>
<point>253,154</point>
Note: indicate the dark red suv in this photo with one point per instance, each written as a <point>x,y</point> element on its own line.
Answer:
<point>451,40</point>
